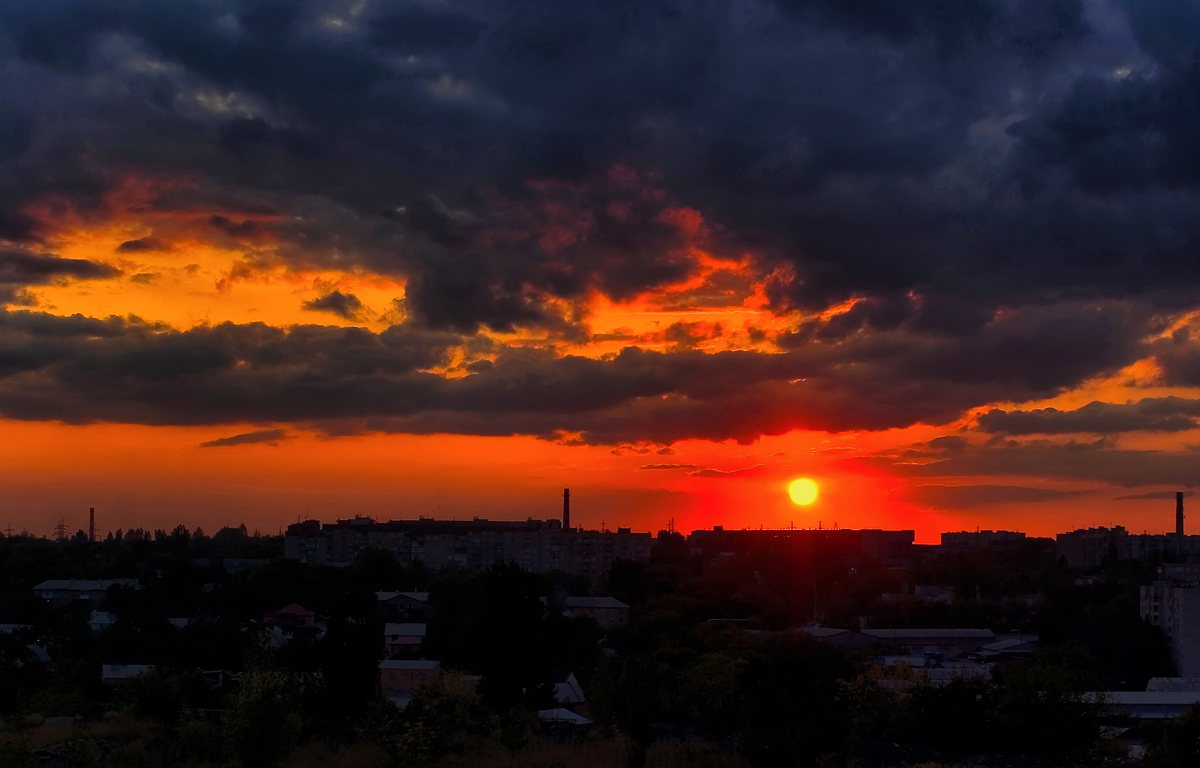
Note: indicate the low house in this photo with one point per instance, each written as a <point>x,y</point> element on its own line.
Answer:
<point>842,638</point>
<point>401,637</point>
<point>408,674</point>
<point>101,620</point>
<point>608,612</point>
<point>1147,705</point>
<point>1175,684</point>
<point>953,641</point>
<point>63,591</point>
<point>405,604</point>
<point>220,678</point>
<point>1016,645</point>
<point>117,674</point>
<point>567,690</point>
<point>293,615</point>
<point>562,715</point>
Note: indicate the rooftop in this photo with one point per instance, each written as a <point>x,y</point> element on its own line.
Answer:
<point>415,664</point>
<point>594,602</point>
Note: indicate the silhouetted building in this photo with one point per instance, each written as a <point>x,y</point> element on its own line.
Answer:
<point>1090,547</point>
<point>608,612</point>
<point>979,539</point>
<point>1179,513</point>
<point>537,545</point>
<point>1172,603</point>
<point>889,547</point>
<point>62,591</point>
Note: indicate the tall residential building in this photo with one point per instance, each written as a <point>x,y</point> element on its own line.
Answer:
<point>976,539</point>
<point>1172,603</point>
<point>536,545</point>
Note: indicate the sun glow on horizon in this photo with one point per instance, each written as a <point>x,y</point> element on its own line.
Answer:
<point>803,491</point>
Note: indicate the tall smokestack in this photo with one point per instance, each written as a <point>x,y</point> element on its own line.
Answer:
<point>567,509</point>
<point>92,524</point>
<point>1178,513</point>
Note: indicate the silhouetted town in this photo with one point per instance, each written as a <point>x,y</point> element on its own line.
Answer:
<point>432,642</point>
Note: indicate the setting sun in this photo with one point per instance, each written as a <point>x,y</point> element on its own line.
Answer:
<point>803,491</point>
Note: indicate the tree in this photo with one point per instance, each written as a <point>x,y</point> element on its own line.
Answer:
<point>262,725</point>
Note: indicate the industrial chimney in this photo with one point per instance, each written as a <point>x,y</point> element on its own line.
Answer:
<point>567,509</point>
<point>1179,513</point>
<point>92,524</point>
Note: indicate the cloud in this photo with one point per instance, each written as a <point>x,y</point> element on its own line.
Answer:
<point>969,496</point>
<point>344,305</point>
<point>351,380</point>
<point>144,244</point>
<point>511,158</point>
<point>1160,414</point>
<point>1098,461</point>
<point>1154,495</point>
<point>668,466</point>
<point>718,473</point>
<point>1003,197</point>
<point>268,436</point>
<point>19,269</point>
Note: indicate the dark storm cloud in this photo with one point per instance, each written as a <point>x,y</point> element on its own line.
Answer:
<point>347,380</point>
<point>20,269</point>
<point>1010,191</point>
<point>345,305</point>
<point>971,149</point>
<point>1153,495</point>
<point>268,436</point>
<point>1098,461</point>
<point>1157,414</point>
<point>970,496</point>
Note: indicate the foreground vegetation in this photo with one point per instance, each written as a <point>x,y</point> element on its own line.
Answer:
<point>675,688</point>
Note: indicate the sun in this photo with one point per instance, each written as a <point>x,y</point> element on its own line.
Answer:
<point>803,491</point>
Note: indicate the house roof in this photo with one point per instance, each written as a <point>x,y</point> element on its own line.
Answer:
<point>922,634</point>
<point>1146,698</point>
<point>569,692</point>
<point>824,631</point>
<point>594,602</point>
<point>420,597</point>
<point>1175,684</point>
<point>86,585</point>
<point>1014,644</point>
<point>417,664</point>
<point>562,715</point>
<point>295,609</point>
<point>123,671</point>
<point>410,630</point>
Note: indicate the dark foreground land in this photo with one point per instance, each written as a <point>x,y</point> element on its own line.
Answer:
<point>712,669</point>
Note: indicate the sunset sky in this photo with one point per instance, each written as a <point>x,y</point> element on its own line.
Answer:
<point>271,259</point>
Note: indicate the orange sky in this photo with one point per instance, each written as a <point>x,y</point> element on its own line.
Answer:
<point>159,476</point>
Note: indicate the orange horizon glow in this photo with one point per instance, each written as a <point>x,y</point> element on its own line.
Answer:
<point>156,477</point>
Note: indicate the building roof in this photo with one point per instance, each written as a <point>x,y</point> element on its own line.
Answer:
<point>594,602</point>
<point>417,664</point>
<point>8,629</point>
<point>1012,644</point>
<point>562,715</point>
<point>410,630</point>
<point>931,634</point>
<point>420,597</point>
<point>124,671</point>
<point>1148,705</point>
<point>295,609</point>
<point>1174,684</point>
<point>823,632</point>
<point>86,585</point>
